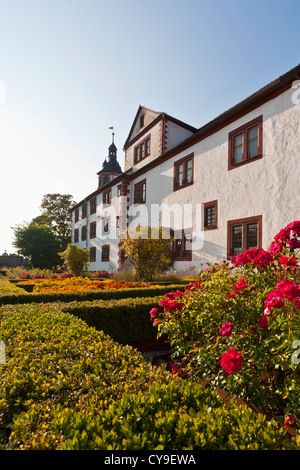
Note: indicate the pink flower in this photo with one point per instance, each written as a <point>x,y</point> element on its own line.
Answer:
<point>226,329</point>
<point>156,321</point>
<point>153,312</point>
<point>231,361</point>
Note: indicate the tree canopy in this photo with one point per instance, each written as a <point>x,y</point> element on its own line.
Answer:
<point>149,252</point>
<point>57,215</point>
<point>38,243</point>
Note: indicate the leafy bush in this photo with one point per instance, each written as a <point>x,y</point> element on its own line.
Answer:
<point>55,358</point>
<point>171,416</point>
<point>84,295</point>
<point>126,320</point>
<point>236,327</point>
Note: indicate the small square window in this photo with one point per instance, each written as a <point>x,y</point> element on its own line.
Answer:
<point>211,215</point>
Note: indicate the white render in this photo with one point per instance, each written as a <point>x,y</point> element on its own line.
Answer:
<point>268,186</point>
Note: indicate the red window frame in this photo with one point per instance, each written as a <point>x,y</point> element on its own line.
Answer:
<point>210,210</point>
<point>93,230</point>
<point>243,132</point>
<point>84,210</point>
<point>105,252</point>
<point>244,224</point>
<point>140,192</point>
<point>92,254</point>
<point>181,168</point>
<point>83,233</point>
<point>93,205</point>
<point>180,244</point>
<point>142,150</point>
<point>106,197</point>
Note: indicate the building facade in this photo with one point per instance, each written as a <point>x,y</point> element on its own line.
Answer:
<point>225,187</point>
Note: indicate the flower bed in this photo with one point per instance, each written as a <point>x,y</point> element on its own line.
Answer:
<point>238,326</point>
<point>77,284</point>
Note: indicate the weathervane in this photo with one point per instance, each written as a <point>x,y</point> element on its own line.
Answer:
<point>112,133</point>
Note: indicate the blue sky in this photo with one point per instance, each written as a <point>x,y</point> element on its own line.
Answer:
<point>70,69</point>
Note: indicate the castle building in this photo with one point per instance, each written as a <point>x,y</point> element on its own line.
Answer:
<point>230,185</point>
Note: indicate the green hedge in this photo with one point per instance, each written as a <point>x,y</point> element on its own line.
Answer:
<point>127,321</point>
<point>55,358</point>
<point>65,385</point>
<point>88,296</point>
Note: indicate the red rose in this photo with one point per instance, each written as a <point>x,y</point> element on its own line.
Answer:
<point>264,322</point>
<point>153,312</point>
<point>274,300</point>
<point>226,329</point>
<point>231,361</point>
<point>289,421</point>
<point>285,260</point>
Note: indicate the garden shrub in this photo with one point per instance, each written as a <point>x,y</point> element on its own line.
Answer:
<point>236,327</point>
<point>126,320</point>
<point>102,294</point>
<point>170,416</point>
<point>55,358</point>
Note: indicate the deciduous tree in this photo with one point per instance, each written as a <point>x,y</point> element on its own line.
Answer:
<point>149,251</point>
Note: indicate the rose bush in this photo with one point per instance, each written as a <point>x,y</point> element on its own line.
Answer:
<point>235,327</point>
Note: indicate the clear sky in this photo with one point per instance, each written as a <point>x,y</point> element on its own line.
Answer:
<point>70,69</point>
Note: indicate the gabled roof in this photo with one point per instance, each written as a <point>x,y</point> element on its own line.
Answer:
<point>157,114</point>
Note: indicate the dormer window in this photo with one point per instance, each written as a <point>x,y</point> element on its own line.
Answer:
<point>142,150</point>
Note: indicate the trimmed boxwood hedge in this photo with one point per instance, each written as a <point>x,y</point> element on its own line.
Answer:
<point>55,358</point>
<point>87,296</point>
<point>127,321</point>
<point>67,386</point>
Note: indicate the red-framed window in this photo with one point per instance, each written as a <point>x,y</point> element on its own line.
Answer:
<point>92,254</point>
<point>93,230</point>
<point>243,234</point>
<point>105,253</point>
<point>245,144</point>
<point>181,246</point>
<point>76,235</point>
<point>184,172</point>
<point>140,192</point>
<point>84,210</point>
<point>107,197</point>
<point>83,233</point>
<point>93,205</point>
<point>211,215</point>
<point>142,150</point>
